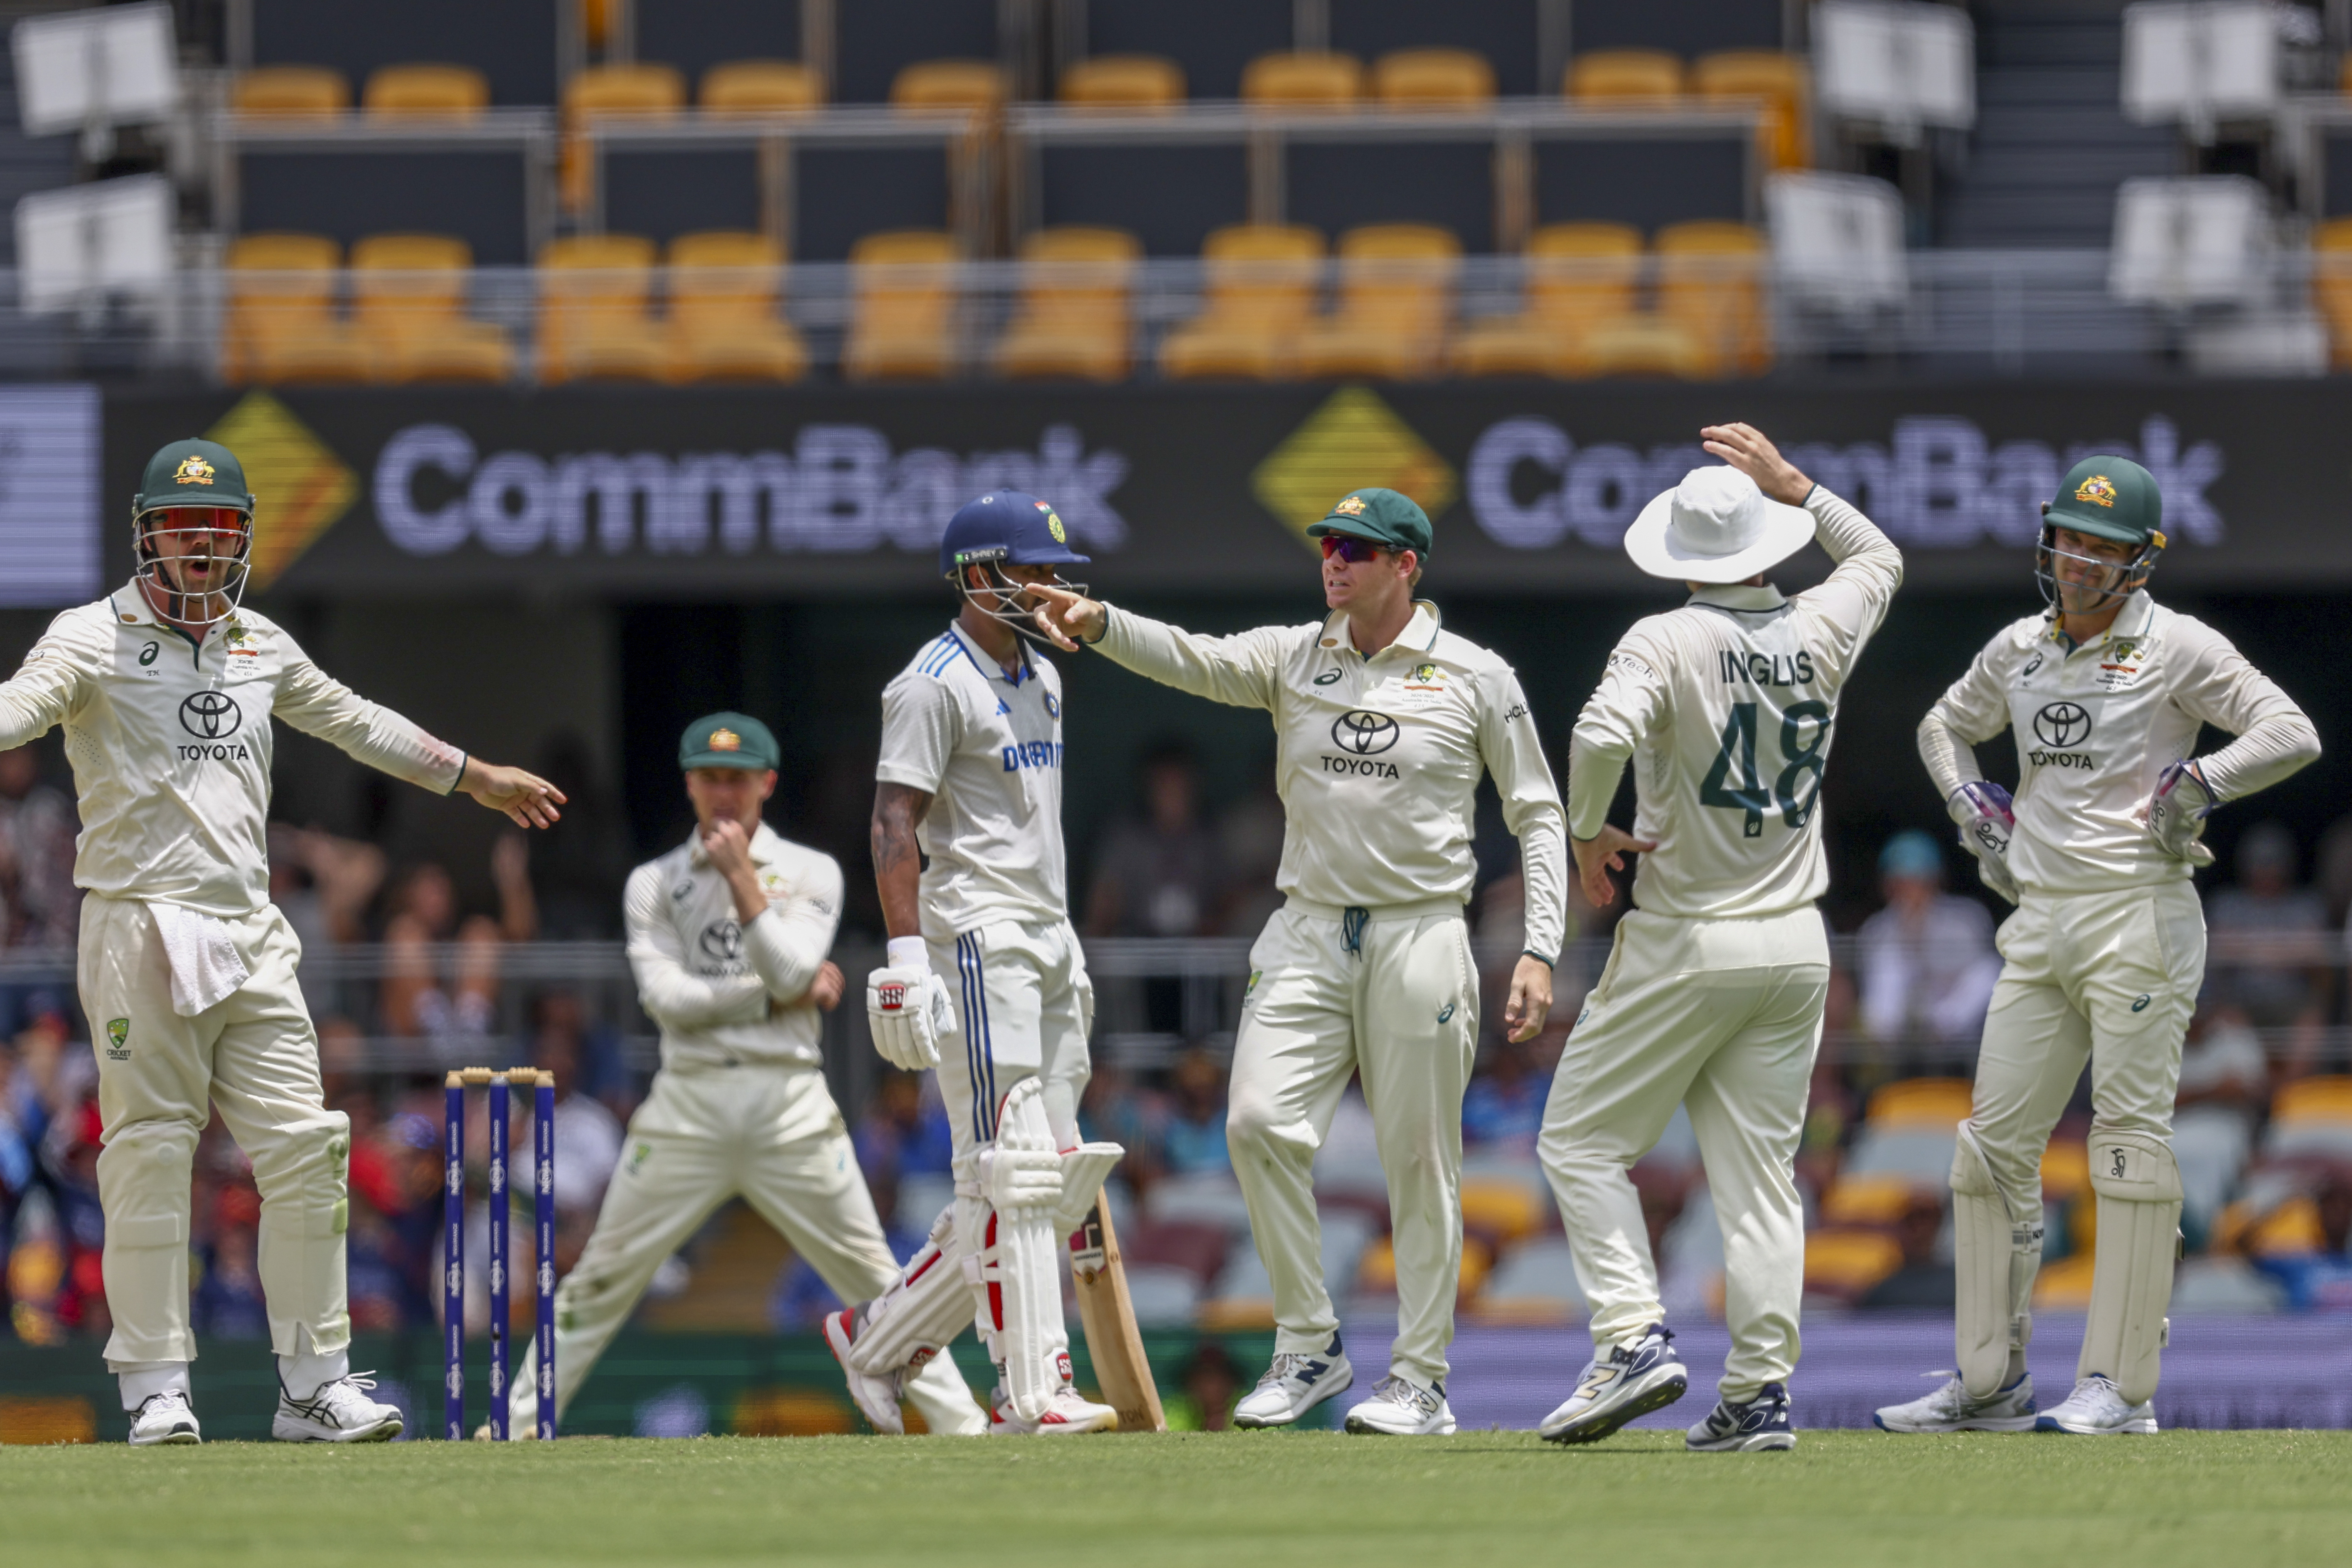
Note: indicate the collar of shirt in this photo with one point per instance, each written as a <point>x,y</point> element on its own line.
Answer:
<point>131,606</point>
<point>1739,597</point>
<point>765,846</point>
<point>985,662</point>
<point>1420,633</point>
<point>2132,622</point>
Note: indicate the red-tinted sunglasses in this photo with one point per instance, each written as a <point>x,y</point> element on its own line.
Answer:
<point>1349,548</point>
<point>196,519</point>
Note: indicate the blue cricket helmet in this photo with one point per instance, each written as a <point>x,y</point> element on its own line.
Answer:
<point>1005,527</point>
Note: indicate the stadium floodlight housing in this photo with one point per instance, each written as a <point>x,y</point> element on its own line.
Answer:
<point>92,70</point>
<point>1837,240</point>
<point>1900,67</point>
<point>2180,243</point>
<point>77,245</point>
<point>2199,63</point>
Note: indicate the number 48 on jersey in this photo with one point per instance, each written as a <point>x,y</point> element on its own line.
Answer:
<point>1801,754</point>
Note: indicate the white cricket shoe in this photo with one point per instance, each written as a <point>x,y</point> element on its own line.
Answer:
<point>877,1397</point>
<point>1067,1416</point>
<point>1295,1384</point>
<point>2096,1409</point>
<point>1952,1408</point>
<point>1751,1427</point>
<point>165,1417</point>
<point>341,1411</point>
<point>1401,1407</point>
<point>1634,1380</point>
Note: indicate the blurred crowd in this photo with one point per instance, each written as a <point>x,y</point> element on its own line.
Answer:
<point>412,967</point>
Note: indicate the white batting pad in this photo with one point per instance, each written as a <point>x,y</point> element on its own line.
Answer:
<point>2138,1186</point>
<point>1996,1256</point>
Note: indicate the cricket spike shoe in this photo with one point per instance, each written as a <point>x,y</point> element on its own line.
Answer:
<point>165,1417</point>
<point>341,1411</point>
<point>2096,1408</point>
<point>1952,1408</point>
<point>1750,1427</point>
<point>1066,1415</point>
<point>1631,1380</point>
<point>1401,1407</point>
<point>877,1397</point>
<point>1295,1384</point>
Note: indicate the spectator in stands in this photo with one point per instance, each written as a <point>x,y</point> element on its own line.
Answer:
<point>1924,1279</point>
<point>1503,1110</point>
<point>1114,1109</point>
<point>227,1302</point>
<point>322,885</point>
<point>1162,873</point>
<point>577,866</point>
<point>1249,842</point>
<point>1192,1137</point>
<point>415,998</point>
<point>1927,959</point>
<point>2224,1085</point>
<point>2271,959</point>
<point>2317,1270</point>
<point>904,1132</point>
<point>40,908</point>
<point>1208,1386</point>
<point>587,1135</point>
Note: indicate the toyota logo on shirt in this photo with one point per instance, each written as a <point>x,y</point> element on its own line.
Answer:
<point>2061,724</point>
<point>210,715</point>
<point>1365,734</point>
<point>721,942</point>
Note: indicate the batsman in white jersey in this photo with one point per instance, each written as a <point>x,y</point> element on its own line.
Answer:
<point>728,936</point>
<point>1383,725</point>
<point>985,981</point>
<point>1713,994</point>
<point>166,688</point>
<point>2106,692</point>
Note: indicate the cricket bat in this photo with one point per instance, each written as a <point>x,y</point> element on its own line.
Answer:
<point>1112,1339</point>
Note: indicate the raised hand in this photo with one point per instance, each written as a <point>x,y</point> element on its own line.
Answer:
<point>1746,448</point>
<point>1067,618</point>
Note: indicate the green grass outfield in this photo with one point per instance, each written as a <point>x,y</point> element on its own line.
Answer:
<point>2234,1499</point>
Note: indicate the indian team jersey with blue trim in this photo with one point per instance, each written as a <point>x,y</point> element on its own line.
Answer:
<point>987,748</point>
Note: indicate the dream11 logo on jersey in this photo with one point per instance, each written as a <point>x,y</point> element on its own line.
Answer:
<point>841,490</point>
<point>1938,485</point>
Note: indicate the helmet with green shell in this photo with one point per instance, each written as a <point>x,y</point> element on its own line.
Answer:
<point>193,491</point>
<point>2107,498</point>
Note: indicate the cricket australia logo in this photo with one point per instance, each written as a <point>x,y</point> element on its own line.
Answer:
<point>1364,736</point>
<point>118,1040</point>
<point>2060,726</point>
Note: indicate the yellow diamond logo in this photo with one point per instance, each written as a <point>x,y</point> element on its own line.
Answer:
<point>1353,442</point>
<point>300,489</point>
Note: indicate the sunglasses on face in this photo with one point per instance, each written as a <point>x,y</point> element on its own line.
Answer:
<point>198,520</point>
<point>1349,548</point>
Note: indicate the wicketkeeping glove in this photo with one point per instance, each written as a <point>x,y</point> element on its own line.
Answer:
<point>2178,810</point>
<point>1987,819</point>
<point>908,1011</point>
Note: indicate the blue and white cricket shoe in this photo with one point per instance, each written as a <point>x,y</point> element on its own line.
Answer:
<point>1401,1407</point>
<point>1754,1425</point>
<point>1951,1409</point>
<point>1295,1384</point>
<point>1631,1380</point>
<point>2096,1408</point>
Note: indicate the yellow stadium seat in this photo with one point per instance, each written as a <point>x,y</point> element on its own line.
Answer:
<point>594,323</point>
<point>291,90</point>
<point>1304,79</point>
<point>1877,1199</point>
<point>1711,283</point>
<point>280,324</point>
<point>2063,1285</point>
<point>760,87</point>
<point>1642,344</point>
<point>1846,1262</point>
<point>1376,1274</point>
<point>2331,284</point>
<point>1579,276</point>
<point>1778,79</point>
<point>1396,301</point>
<point>426,91</point>
<point>723,326</point>
<point>1502,1211</point>
<point>2065,1171</point>
<point>1073,319</point>
<point>408,302</point>
<point>2293,1229</point>
<point>1625,78</point>
<point>1261,281</point>
<point>638,91</point>
<point>903,316</point>
<point>932,86</point>
<point>1124,81</point>
<point>1937,1102</point>
<point>2314,1099</point>
<point>1432,78</point>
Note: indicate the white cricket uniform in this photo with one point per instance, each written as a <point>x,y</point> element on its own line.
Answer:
<point>1367,965</point>
<point>187,971</point>
<point>2105,954</point>
<point>1714,990</point>
<point>739,1108</point>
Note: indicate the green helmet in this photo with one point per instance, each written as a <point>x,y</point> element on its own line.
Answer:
<point>195,488</point>
<point>2107,497</point>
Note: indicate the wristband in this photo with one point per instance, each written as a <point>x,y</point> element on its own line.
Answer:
<point>910,953</point>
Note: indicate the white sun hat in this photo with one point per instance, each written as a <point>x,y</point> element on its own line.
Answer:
<point>1715,527</point>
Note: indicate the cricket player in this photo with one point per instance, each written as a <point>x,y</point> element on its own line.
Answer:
<point>166,689</point>
<point>2106,691</point>
<point>1383,724</point>
<point>984,982</point>
<point>1713,994</point>
<point>728,935</point>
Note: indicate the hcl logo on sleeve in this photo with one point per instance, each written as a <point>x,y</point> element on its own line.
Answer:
<point>1938,485</point>
<point>841,490</point>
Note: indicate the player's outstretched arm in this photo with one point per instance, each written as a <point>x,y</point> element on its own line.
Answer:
<point>1240,669</point>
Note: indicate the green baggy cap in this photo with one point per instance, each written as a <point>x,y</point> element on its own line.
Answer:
<point>728,741</point>
<point>193,473</point>
<point>2113,498</point>
<point>1384,516</point>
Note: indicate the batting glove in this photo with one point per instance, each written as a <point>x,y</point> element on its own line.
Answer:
<point>1987,819</point>
<point>2178,810</point>
<point>908,1009</point>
